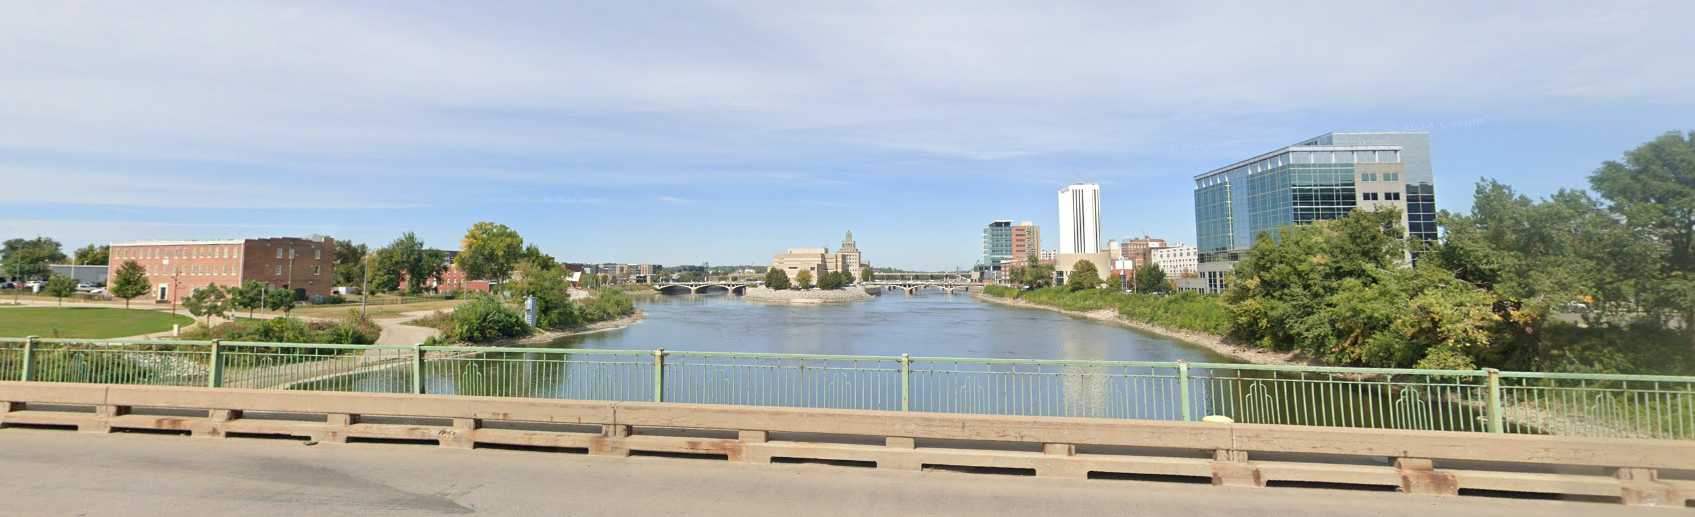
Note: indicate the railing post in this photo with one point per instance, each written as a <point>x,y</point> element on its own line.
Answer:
<point>905,382</point>
<point>1183,390</point>
<point>29,358</point>
<point>1494,404</point>
<point>216,378</point>
<point>418,368</point>
<point>659,375</point>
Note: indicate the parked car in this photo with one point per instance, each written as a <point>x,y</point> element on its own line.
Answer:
<point>97,290</point>
<point>35,284</point>
<point>85,286</point>
<point>1572,307</point>
<point>8,285</point>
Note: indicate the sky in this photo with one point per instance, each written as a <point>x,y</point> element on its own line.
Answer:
<point>723,132</point>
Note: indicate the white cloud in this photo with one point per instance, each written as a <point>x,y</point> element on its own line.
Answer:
<point>415,103</point>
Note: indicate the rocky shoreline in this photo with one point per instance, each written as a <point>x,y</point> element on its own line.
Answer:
<point>850,294</point>
<point>1213,342</point>
<point>546,336</point>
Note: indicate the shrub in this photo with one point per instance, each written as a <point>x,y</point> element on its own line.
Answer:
<point>607,304</point>
<point>483,318</point>
<point>351,330</point>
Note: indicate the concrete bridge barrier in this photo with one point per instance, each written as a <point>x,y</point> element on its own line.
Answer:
<point>1638,472</point>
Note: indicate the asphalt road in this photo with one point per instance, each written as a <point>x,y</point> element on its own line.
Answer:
<point>53,473</point>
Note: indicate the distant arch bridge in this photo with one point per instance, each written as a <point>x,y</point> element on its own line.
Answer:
<point>701,287</point>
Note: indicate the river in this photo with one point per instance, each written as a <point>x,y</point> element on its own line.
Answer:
<point>927,324</point>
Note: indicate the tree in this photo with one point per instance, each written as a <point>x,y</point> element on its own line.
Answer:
<point>1654,191</point>
<point>208,301</point>
<point>406,258</point>
<point>830,280</point>
<point>350,264</point>
<point>867,275</point>
<point>27,259</point>
<point>1341,291</point>
<point>546,281</point>
<point>130,282</point>
<point>776,279</point>
<point>534,254</point>
<point>803,279</point>
<point>92,255</point>
<point>1083,275</point>
<point>61,287</point>
<point>250,295</point>
<point>278,299</point>
<point>847,277</point>
<point>1151,279</point>
<point>490,251</point>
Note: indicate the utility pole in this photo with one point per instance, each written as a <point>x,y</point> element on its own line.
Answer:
<point>290,285</point>
<point>364,285</point>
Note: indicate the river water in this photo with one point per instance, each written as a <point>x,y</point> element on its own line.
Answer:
<point>927,324</point>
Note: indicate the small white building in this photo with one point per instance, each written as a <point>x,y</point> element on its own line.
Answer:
<point>1176,260</point>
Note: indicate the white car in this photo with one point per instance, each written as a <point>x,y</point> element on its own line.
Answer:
<point>98,290</point>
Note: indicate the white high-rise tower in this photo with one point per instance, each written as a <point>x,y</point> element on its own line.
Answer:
<point>1080,218</point>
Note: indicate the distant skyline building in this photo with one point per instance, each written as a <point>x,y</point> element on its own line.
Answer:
<point>1080,218</point>
<point>1317,179</point>
<point>1004,242</point>
<point>1176,260</point>
<point>818,261</point>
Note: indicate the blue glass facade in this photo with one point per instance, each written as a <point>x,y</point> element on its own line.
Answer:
<point>1322,178</point>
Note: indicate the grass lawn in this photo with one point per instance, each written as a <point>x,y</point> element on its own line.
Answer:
<point>84,322</point>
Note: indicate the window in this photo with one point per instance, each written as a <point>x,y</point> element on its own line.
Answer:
<point>1391,176</point>
<point>1369,196</point>
<point>1365,157</point>
<point>279,270</point>
<point>1368,176</point>
<point>317,254</point>
<point>1388,157</point>
<point>1392,196</point>
<point>317,269</point>
<point>279,253</point>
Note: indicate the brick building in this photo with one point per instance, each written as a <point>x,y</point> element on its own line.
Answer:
<point>304,265</point>
<point>451,279</point>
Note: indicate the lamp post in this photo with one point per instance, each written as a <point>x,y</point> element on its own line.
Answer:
<point>364,285</point>
<point>174,286</point>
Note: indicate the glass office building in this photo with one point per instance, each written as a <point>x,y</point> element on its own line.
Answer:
<point>997,244</point>
<point>1321,178</point>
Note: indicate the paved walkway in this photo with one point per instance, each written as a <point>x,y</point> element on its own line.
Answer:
<point>48,473</point>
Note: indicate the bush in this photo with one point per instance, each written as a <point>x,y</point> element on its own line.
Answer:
<point>606,305</point>
<point>483,318</point>
<point>351,330</point>
<point>1186,311</point>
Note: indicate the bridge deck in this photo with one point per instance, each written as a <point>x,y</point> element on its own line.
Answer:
<point>66,473</point>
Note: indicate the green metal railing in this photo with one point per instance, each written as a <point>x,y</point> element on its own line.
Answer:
<point>1628,406</point>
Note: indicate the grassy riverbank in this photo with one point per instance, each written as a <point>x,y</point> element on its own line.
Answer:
<point>1184,311</point>
<point>85,322</point>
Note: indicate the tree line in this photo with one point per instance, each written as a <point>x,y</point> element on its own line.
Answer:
<point>1580,281</point>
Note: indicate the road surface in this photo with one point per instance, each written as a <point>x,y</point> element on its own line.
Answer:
<point>50,473</point>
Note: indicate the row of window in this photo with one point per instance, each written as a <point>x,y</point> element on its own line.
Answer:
<point>129,253</point>
<point>317,254</point>
<point>1387,176</point>
<point>215,270</point>
<point>1387,196</point>
<point>212,270</point>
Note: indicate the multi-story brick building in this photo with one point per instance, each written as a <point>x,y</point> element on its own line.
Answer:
<point>304,265</point>
<point>451,279</point>
<point>1140,251</point>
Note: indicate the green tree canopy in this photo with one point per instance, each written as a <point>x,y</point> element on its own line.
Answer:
<point>490,252</point>
<point>1083,275</point>
<point>249,295</point>
<point>776,279</point>
<point>207,302</point>
<point>130,282</point>
<point>1653,189</point>
<point>1151,279</point>
<point>28,259</point>
<point>406,258</point>
<point>92,255</point>
<point>803,279</point>
<point>350,264</point>
<point>867,275</point>
<point>61,287</point>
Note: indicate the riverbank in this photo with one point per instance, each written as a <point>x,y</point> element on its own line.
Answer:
<point>849,294</point>
<point>542,337</point>
<point>1216,343</point>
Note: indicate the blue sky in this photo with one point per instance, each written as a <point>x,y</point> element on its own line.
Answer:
<point>724,132</point>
